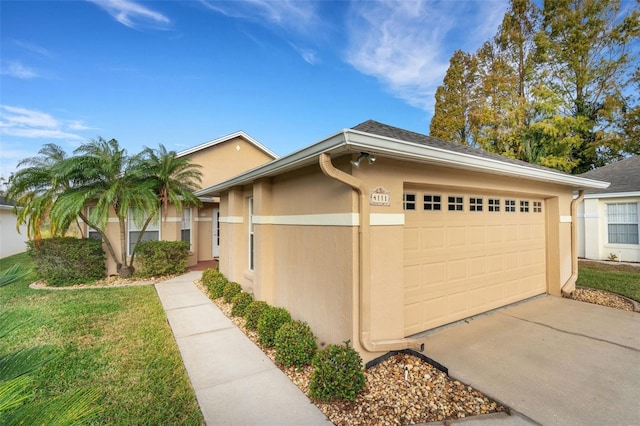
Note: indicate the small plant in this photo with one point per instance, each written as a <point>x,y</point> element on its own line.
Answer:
<point>240,302</point>
<point>230,290</point>
<point>269,323</point>
<point>253,312</point>
<point>14,273</point>
<point>156,258</point>
<point>612,257</point>
<point>217,286</point>
<point>209,275</point>
<point>295,344</point>
<point>338,374</point>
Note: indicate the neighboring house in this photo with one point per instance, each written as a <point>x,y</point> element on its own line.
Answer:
<point>12,240</point>
<point>608,218</point>
<point>221,158</point>
<point>376,234</point>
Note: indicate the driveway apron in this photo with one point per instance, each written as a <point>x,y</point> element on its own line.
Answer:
<point>554,360</point>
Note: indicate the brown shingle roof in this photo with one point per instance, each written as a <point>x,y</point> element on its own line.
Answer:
<point>380,129</point>
<point>624,176</point>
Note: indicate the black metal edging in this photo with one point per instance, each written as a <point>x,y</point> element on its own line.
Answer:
<point>426,359</point>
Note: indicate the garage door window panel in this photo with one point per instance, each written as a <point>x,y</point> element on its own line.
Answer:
<point>432,202</point>
<point>493,205</point>
<point>524,206</point>
<point>409,201</point>
<point>455,203</point>
<point>510,206</point>
<point>475,204</point>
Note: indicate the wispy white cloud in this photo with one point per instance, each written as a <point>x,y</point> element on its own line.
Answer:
<point>293,18</point>
<point>132,14</point>
<point>33,48</point>
<point>27,123</point>
<point>16,69</point>
<point>407,44</point>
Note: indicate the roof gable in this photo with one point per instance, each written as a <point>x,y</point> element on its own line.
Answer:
<point>624,176</point>
<point>226,138</point>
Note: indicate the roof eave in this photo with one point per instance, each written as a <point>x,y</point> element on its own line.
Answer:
<point>226,138</point>
<point>349,140</point>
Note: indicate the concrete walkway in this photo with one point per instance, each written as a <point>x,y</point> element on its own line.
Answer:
<point>556,361</point>
<point>234,381</point>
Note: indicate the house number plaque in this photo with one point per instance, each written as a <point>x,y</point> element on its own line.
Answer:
<point>379,197</point>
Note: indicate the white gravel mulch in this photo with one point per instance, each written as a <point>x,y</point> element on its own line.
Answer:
<point>603,298</point>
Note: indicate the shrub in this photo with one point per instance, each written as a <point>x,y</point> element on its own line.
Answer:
<point>240,302</point>
<point>68,260</point>
<point>230,290</point>
<point>161,258</point>
<point>209,275</point>
<point>217,289</point>
<point>295,344</point>
<point>338,374</point>
<point>270,321</point>
<point>253,312</point>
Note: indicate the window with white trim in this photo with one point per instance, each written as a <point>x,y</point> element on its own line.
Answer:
<point>537,206</point>
<point>251,228</point>
<point>622,223</point>
<point>92,233</point>
<point>475,204</point>
<point>510,206</point>
<point>185,227</point>
<point>524,206</point>
<point>494,205</point>
<point>432,202</point>
<point>152,233</point>
<point>408,201</point>
<point>456,203</point>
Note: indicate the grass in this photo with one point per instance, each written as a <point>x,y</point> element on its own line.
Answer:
<point>116,341</point>
<point>616,278</point>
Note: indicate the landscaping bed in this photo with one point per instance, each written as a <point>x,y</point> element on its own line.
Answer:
<point>424,394</point>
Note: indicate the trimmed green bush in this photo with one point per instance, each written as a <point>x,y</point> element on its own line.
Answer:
<point>240,302</point>
<point>68,260</point>
<point>157,258</point>
<point>253,312</point>
<point>337,375</point>
<point>270,321</point>
<point>295,344</point>
<point>209,275</point>
<point>230,290</point>
<point>217,287</point>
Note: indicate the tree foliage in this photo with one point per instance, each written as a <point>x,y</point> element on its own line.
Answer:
<point>555,86</point>
<point>101,174</point>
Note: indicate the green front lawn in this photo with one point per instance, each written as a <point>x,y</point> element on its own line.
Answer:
<point>610,276</point>
<point>116,341</point>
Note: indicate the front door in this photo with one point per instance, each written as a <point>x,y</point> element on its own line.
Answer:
<point>216,233</point>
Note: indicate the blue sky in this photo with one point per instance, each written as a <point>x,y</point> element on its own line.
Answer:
<point>180,73</point>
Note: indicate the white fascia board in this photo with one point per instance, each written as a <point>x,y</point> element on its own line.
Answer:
<point>614,195</point>
<point>349,140</point>
<point>423,153</point>
<point>227,138</point>
<point>292,161</point>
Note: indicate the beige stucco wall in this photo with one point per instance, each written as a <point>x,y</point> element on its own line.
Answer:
<point>312,270</point>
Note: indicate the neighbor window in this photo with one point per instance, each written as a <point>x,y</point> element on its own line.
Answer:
<point>537,206</point>
<point>475,204</point>
<point>432,202</point>
<point>494,205</point>
<point>509,205</point>
<point>408,201</point>
<point>251,246</point>
<point>185,227</point>
<point>152,233</point>
<point>92,233</point>
<point>456,203</point>
<point>524,206</point>
<point>622,223</point>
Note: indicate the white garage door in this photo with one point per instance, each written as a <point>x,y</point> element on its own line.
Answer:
<point>467,253</point>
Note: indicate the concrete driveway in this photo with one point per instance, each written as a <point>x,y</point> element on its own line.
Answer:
<point>553,360</point>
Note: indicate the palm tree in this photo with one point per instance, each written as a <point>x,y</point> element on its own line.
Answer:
<point>107,176</point>
<point>35,189</point>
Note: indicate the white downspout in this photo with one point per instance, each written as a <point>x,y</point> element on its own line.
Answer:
<point>364,285</point>
<point>570,286</point>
